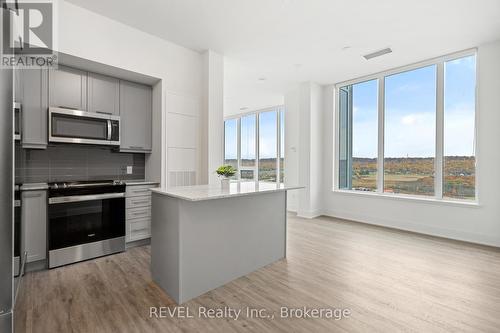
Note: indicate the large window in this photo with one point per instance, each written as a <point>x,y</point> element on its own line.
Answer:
<point>248,146</point>
<point>231,142</point>
<point>410,132</point>
<point>268,146</point>
<point>358,119</point>
<point>459,105</point>
<point>257,141</point>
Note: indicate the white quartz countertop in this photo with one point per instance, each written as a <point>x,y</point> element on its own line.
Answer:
<point>34,186</point>
<point>208,192</point>
<point>139,182</point>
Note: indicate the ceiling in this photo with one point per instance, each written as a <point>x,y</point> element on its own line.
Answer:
<point>289,41</point>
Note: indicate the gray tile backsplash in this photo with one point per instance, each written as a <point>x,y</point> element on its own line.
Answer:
<point>72,163</point>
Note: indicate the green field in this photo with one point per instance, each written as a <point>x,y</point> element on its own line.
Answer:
<point>402,175</point>
<point>267,168</point>
<point>416,176</point>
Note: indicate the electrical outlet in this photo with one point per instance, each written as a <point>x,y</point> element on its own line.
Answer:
<point>129,170</point>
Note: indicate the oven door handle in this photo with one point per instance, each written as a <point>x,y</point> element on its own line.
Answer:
<point>90,197</point>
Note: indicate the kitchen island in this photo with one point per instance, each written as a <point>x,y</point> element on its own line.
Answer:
<point>205,236</point>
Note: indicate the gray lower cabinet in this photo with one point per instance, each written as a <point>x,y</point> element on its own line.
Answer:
<point>34,224</point>
<point>136,117</point>
<point>103,94</point>
<point>31,91</point>
<point>68,88</point>
<point>138,212</point>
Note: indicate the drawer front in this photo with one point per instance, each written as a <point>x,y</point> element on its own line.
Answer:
<point>137,213</point>
<point>134,202</point>
<point>139,229</point>
<point>138,190</point>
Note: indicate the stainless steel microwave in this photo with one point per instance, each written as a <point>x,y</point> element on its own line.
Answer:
<point>75,126</point>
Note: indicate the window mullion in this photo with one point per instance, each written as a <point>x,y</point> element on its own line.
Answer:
<point>438,172</point>
<point>238,146</point>
<point>257,148</point>
<point>380,153</point>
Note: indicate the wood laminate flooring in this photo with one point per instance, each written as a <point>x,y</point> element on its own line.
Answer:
<point>389,280</point>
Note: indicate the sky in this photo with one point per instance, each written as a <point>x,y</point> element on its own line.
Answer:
<point>410,112</point>
<point>410,116</point>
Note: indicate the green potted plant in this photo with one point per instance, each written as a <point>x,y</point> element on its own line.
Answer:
<point>225,172</point>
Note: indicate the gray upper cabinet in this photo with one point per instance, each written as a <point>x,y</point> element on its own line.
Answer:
<point>136,117</point>
<point>103,94</point>
<point>68,88</point>
<point>32,92</point>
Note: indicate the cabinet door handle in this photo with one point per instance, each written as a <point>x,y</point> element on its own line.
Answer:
<point>140,227</point>
<point>136,147</point>
<point>141,201</point>
<point>103,112</point>
<point>140,191</point>
<point>67,107</point>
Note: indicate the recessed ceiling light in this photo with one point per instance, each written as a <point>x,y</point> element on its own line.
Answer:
<point>262,79</point>
<point>243,108</point>
<point>346,48</point>
<point>377,53</point>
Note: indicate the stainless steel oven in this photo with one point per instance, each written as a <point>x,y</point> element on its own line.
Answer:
<point>75,126</point>
<point>86,220</point>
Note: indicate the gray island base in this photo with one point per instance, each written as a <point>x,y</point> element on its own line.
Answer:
<point>204,236</point>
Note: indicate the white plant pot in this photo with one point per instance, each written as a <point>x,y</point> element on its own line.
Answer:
<point>224,182</point>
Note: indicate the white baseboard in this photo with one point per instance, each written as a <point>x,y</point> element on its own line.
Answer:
<point>415,227</point>
<point>310,214</point>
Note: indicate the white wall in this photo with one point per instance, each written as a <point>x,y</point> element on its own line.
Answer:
<point>213,116</point>
<point>304,148</point>
<point>91,36</point>
<point>292,133</point>
<point>479,224</point>
<point>310,149</point>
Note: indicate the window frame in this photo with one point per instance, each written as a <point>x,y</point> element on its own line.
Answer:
<point>439,140</point>
<point>224,141</point>
<point>278,109</point>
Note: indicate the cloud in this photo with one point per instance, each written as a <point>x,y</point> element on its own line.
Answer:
<point>469,61</point>
<point>408,87</point>
<point>409,120</point>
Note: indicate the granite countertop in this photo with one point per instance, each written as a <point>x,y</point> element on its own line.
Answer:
<point>208,192</point>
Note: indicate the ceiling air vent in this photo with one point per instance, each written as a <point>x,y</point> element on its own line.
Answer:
<point>377,53</point>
